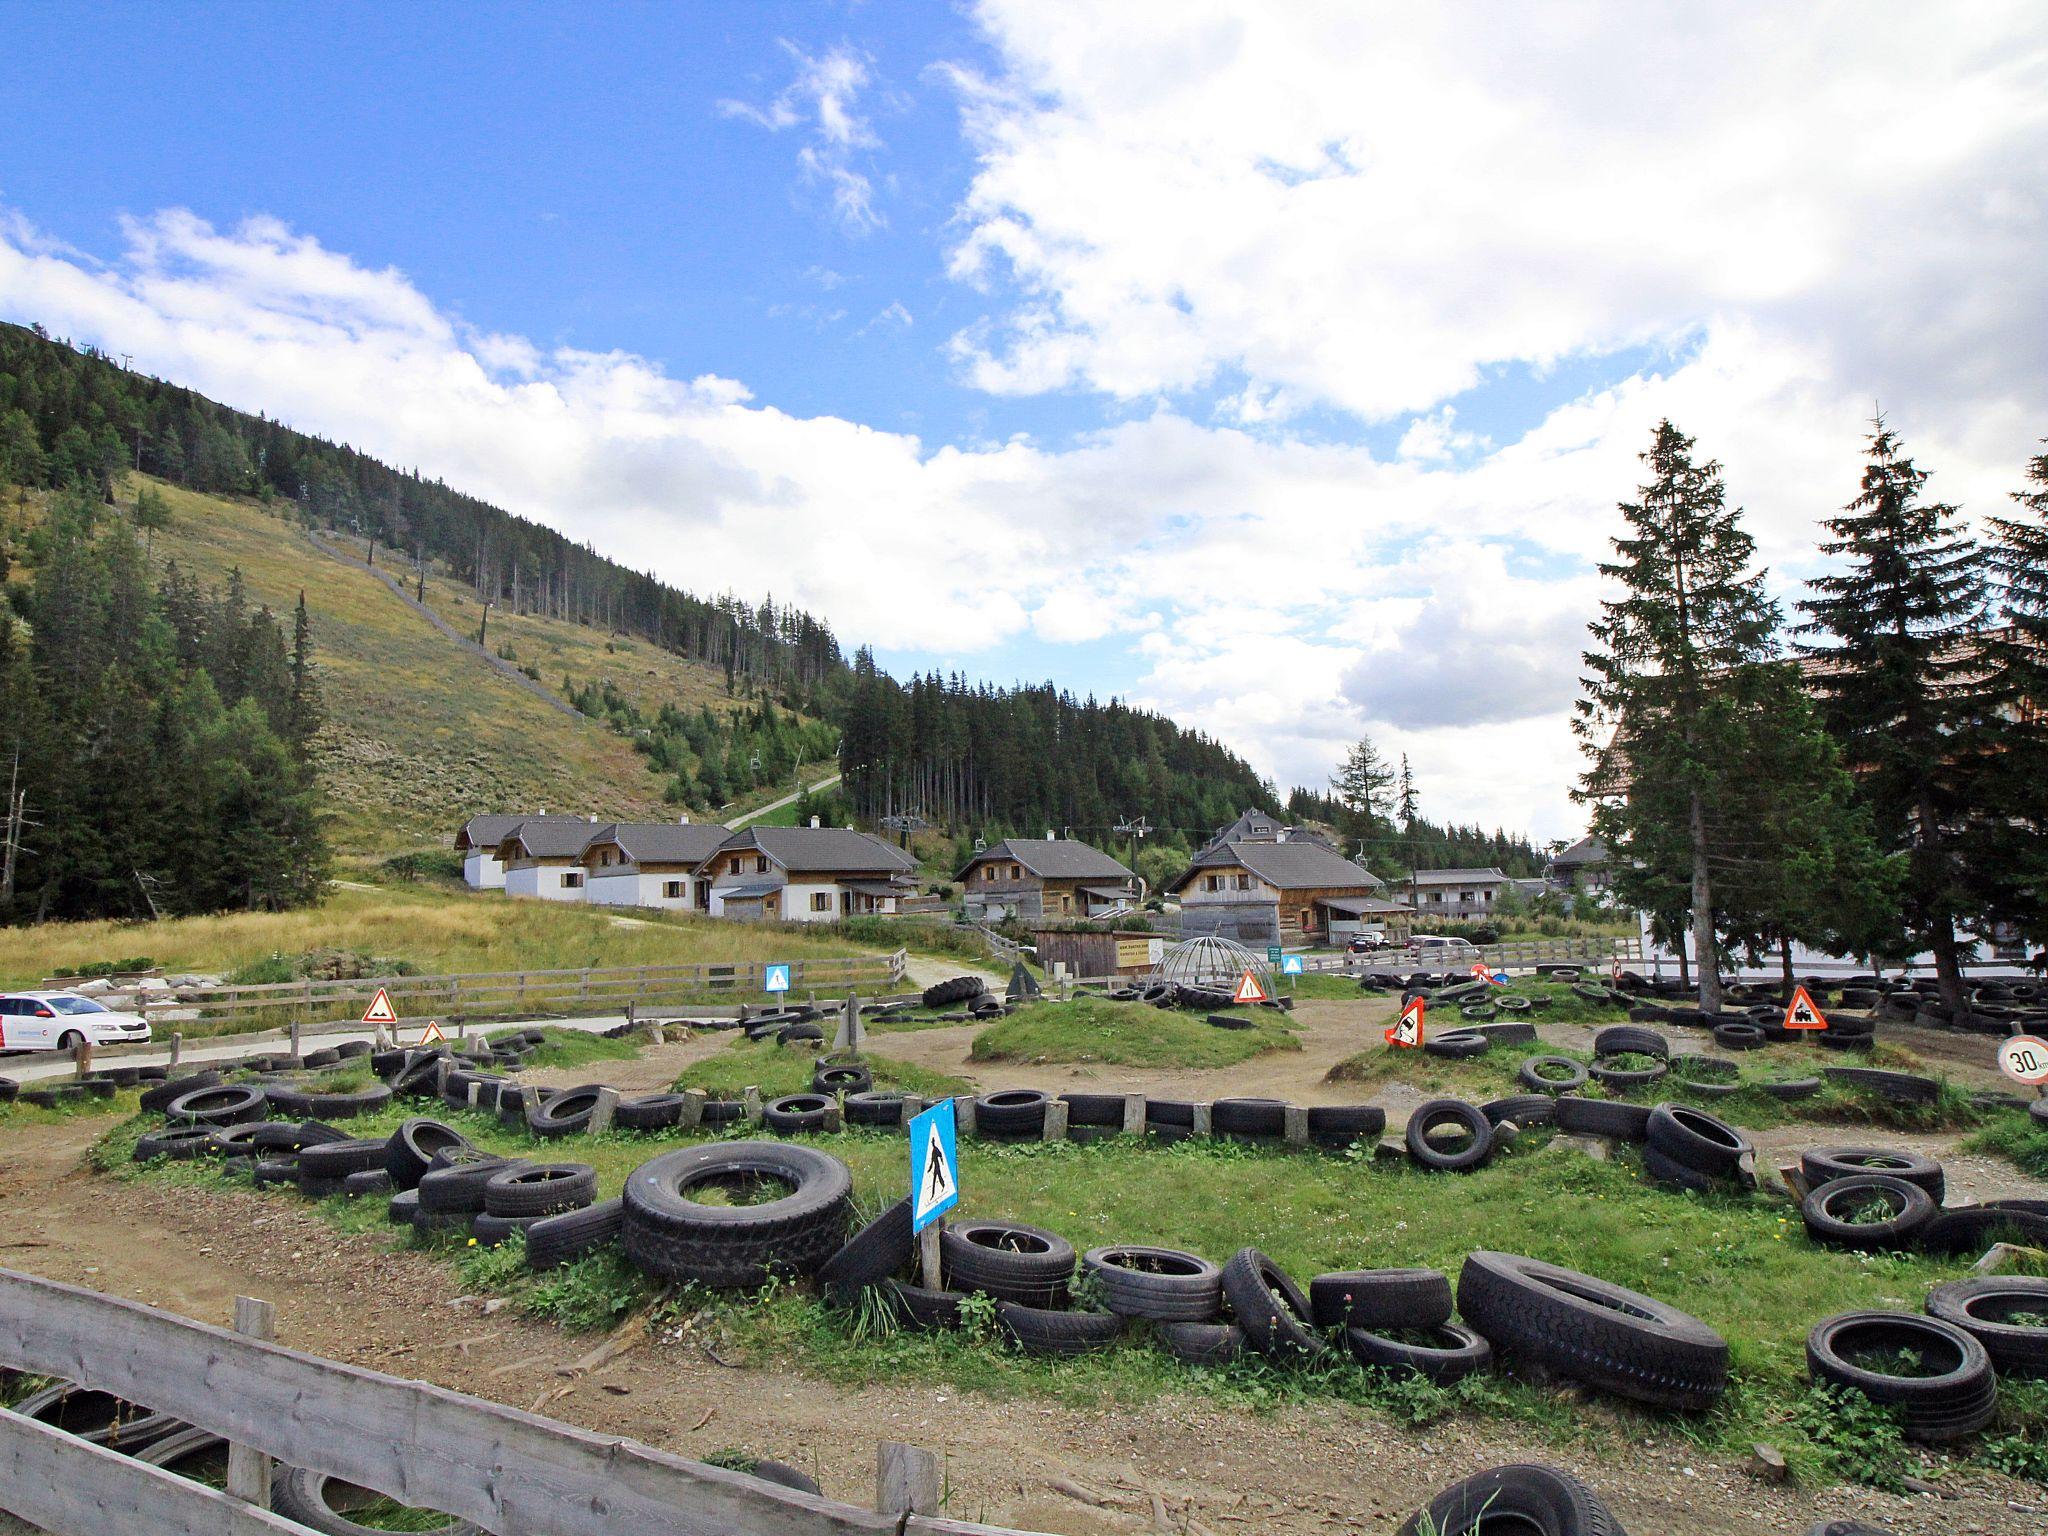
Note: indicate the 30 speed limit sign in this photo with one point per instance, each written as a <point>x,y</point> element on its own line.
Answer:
<point>2025,1057</point>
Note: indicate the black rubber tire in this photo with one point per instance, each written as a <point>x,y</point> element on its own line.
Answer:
<point>562,1239</point>
<point>1971,1229</point>
<point>1230,1021</point>
<point>873,1108</point>
<point>179,1143</point>
<point>1173,1114</point>
<point>368,1182</point>
<point>1899,1087</point>
<point>1980,1308</point>
<point>1531,1078</point>
<point>97,1417</point>
<point>799,1034</point>
<point>404,1206</point>
<point>1007,1260</point>
<point>1271,1309</point>
<point>1947,1405</point>
<point>795,1114</point>
<point>1259,1118</point>
<point>652,1112</point>
<point>1200,1344</point>
<point>334,1106</point>
<point>1453,1353</point>
<point>1707,1077</point>
<point>1380,1299</point>
<point>877,1252</point>
<point>540,1189</point>
<point>411,1149</point>
<point>317,1501</point>
<point>1525,1109</point>
<point>1575,1325</point>
<point>1337,1126</point>
<point>1441,1112</point>
<point>1457,1044</point>
<point>1524,1499</point>
<point>783,1475</point>
<point>832,1080</point>
<point>960,989</point>
<point>221,1104</point>
<point>1669,1173</point>
<point>1161,1284</point>
<point>1739,1036</point>
<point>1011,1114</point>
<point>1702,1142</point>
<point>276,1170</point>
<point>489,1230</point>
<point>566,1114</point>
<point>1824,1164</point>
<point>339,1159</point>
<point>1624,1079</point>
<point>1822,1210</point>
<point>1104,1111</point>
<point>1616,1038</point>
<point>458,1187</point>
<point>191,1452</point>
<point>1049,1331</point>
<point>920,1309</point>
<point>2038,1111</point>
<point>171,1089</point>
<point>1791,1088</point>
<point>1603,1117</point>
<point>672,1236</point>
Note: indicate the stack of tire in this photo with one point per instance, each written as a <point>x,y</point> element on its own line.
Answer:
<point>1688,1149</point>
<point>1883,1199</point>
<point>670,1234</point>
<point>1526,1497</point>
<point>1953,1392</point>
<point>958,992</point>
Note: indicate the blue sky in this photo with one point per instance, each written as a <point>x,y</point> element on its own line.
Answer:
<point>1279,370</point>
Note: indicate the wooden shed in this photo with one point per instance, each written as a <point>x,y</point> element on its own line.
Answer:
<point>1098,952</point>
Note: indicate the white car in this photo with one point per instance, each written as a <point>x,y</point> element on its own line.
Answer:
<point>43,1021</point>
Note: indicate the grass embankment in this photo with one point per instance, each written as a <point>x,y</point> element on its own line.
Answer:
<point>1740,1262</point>
<point>431,928</point>
<point>779,1069</point>
<point>1094,1029</point>
<point>573,1048</point>
<point>2020,1140</point>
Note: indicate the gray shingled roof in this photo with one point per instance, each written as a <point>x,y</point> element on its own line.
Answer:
<point>664,842</point>
<point>1053,858</point>
<point>1587,850</point>
<point>1291,866</point>
<point>833,850</point>
<point>551,837</point>
<point>1457,877</point>
<point>490,829</point>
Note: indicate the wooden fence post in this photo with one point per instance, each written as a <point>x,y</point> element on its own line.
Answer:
<point>1134,1114</point>
<point>906,1480</point>
<point>1055,1120</point>
<point>913,1106</point>
<point>930,1266</point>
<point>693,1109</point>
<point>750,1101</point>
<point>248,1468</point>
<point>963,1115</point>
<point>81,1058</point>
<point>177,1046</point>
<point>295,1037</point>
<point>1200,1118</point>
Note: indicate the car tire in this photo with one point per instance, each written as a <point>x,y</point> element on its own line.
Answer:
<point>1452,1353</point>
<point>1739,1036</point>
<point>1457,1044</point>
<point>650,1112</point>
<point>1899,1087</point>
<point>1436,1113</point>
<point>1048,1331</point>
<point>1271,1309</point>
<point>1380,1299</point>
<point>1603,1117</point>
<point>339,1159</point>
<point>1337,1126</point>
<point>1200,1344</point>
<point>1585,1328</point>
<point>873,1108</point>
<point>1981,1309</point>
<point>875,1253</point>
<point>223,1104</point>
<point>1160,1284</point>
<point>1530,1076</point>
<point>1824,1164</point>
<point>411,1149</point>
<point>1529,1499</point>
<point>540,1189</point>
<point>1946,1404</point>
<point>1824,1212</point>
<point>1616,1038</point>
<point>317,1502</point>
<point>960,989</point>
<point>1524,1109</point>
<point>1260,1119</point>
<point>796,1114</point>
<point>672,1236</point>
<point>179,1143</point>
<point>1007,1260</point>
<point>566,1114</point>
<point>1011,1114</point>
<point>920,1309</point>
<point>562,1239</point>
<point>1971,1229</point>
<point>458,1187</point>
<point>1702,1142</point>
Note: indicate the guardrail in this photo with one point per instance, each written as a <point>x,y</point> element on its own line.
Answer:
<point>485,994</point>
<point>1521,954</point>
<point>509,1472</point>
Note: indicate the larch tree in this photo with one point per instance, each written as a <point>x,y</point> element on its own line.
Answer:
<point>1362,787</point>
<point>1899,671</point>
<point>1659,720</point>
<point>2009,856</point>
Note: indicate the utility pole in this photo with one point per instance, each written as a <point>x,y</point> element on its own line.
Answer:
<point>903,826</point>
<point>1134,829</point>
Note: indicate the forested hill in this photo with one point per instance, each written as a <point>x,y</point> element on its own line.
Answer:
<point>977,758</point>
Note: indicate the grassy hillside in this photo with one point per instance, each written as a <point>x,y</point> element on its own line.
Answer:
<point>423,732</point>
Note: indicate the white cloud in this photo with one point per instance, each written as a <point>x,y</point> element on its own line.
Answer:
<point>825,96</point>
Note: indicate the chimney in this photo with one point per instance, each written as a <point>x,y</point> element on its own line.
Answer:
<point>683,820</point>
<point>1280,834</point>
<point>1049,837</point>
<point>591,818</point>
<point>814,821</point>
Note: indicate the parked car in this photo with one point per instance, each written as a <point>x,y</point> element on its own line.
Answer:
<point>41,1021</point>
<point>1366,940</point>
<point>1436,950</point>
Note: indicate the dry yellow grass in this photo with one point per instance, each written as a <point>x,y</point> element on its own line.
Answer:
<point>434,928</point>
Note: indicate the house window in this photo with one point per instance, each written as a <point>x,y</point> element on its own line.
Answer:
<point>771,902</point>
<point>738,864</point>
<point>1066,903</point>
<point>1308,918</point>
<point>760,863</point>
<point>821,901</point>
<point>1214,883</point>
<point>1016,871</point>
<point>572,880</point>
<point>672,890</point>
<point>1244,882</point>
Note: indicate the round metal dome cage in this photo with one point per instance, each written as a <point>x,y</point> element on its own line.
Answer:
<point>1207,962</point>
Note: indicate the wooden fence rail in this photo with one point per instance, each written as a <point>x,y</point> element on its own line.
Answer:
<point>508,1471</point>
<point>497,992</point>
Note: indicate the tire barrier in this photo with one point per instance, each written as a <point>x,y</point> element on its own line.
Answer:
<point>1954,1392</point>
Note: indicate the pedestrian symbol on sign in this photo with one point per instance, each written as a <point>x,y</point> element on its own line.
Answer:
<point>1291,965</point>
<point>775,978</point>
<point>934,1165</point>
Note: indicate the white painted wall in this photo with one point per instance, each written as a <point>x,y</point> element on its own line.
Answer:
<point>483,870</point>
<point>630,888</point>
<point>545,882</point>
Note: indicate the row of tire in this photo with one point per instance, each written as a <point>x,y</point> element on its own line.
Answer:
<point>104,1084</point>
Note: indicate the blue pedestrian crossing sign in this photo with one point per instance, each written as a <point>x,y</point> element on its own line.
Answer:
<point>934,1165</point>
<point>775,978</point>
<point>1291,965</point>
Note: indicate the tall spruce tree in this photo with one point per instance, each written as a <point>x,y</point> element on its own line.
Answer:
<point>2008,858</point>
<point>1362,788</point>
<point>1660,720</point>
<point>1405,807</point>
<point>1900,677</point>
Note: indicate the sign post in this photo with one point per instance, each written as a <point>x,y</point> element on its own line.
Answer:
<point>934,1180</point>
<point>1407,1029</point>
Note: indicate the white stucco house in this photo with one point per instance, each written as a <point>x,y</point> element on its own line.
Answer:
<point>651,864</point>
<point>478,842</point>
<point>806,875</point>
<point>543,858</point>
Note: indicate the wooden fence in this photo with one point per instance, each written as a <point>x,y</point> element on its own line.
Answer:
<point>1523,954</point>
<point>493,994</point>
<point>510,1472</point>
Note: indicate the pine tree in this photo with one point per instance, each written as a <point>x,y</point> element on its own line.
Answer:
<point>1661,719</point>
<point>303,712</point>
<point>1405,808</point>
<point>1901,684</point>
<point>1362,786</point>
<point>2008,856</point>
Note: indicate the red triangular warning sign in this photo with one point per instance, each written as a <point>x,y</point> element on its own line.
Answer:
<point>1407,1030</point>
<point>380,1011</point>
<point>1801,1014</point>
<point>431,1033</point>
<point>1249,990</point>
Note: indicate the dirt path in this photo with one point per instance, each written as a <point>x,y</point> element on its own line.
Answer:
<point>1296,1470</point>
